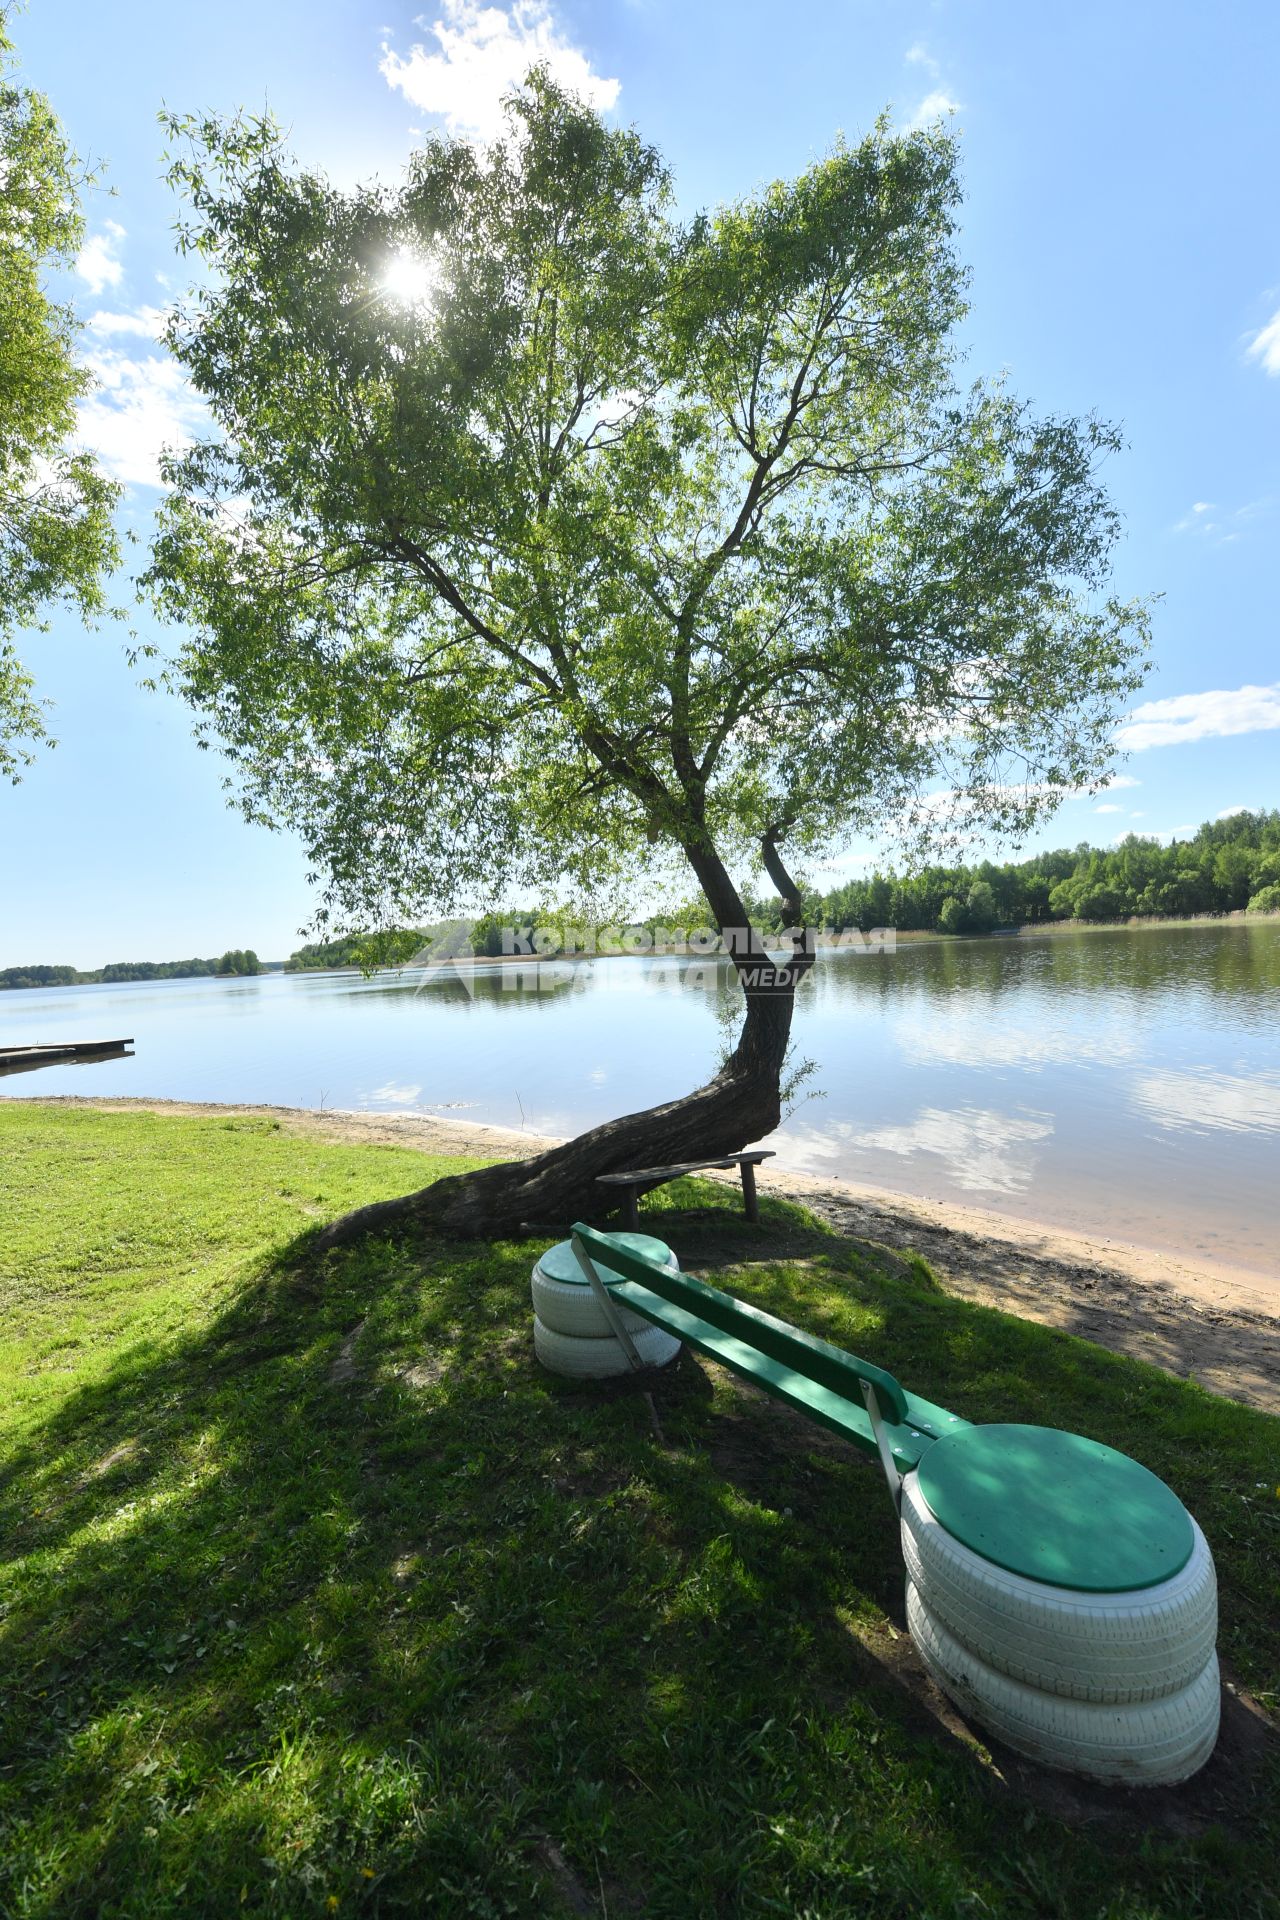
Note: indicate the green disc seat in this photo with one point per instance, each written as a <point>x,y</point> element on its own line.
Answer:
<point>559,1263</point>
<point>1055,1507</point>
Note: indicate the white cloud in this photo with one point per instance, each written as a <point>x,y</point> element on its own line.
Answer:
<point>1221,525</point>
<point>1265,345</point>
<point>1197,521</point>
<point>854,859</point>
<point>97,260</point>
<point>935,106</point>
<point>1201,716</point>
<point>947,803</point>
<point>1109,809</point>
<point>140,407</point>
<point>481,53</point>
<point>146,321</point>
<point>920,56</point>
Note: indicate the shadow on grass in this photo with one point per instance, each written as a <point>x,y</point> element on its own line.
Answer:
<point>339,1602</point>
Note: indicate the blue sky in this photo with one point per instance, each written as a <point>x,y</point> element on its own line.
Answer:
<point>1121,225</point>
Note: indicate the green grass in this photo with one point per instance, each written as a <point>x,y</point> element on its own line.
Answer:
<point>444,1635</point>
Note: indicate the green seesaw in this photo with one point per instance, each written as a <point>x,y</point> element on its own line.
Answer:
<point>1056,1589</point>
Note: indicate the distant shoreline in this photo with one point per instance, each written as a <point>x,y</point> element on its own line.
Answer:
<point>915,937</point>
<point>237,963</point>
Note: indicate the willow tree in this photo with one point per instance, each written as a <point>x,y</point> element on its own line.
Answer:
<point>546,533</point>
<point>56,534</point>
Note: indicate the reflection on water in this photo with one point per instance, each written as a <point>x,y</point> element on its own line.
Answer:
<point>981,1151</point>
<point>1123,1081</point>
<point>1203,1101</point>
<point>982,1033</point>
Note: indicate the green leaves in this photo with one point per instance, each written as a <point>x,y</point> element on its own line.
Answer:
<point>549,535</point>
<point>56,534</point>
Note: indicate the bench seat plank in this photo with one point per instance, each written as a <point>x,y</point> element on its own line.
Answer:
<point>849,1419</point>
<point>752,1159</point>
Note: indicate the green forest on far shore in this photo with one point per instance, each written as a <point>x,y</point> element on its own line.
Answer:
<point>1226,866</point>
<point>236,960</point>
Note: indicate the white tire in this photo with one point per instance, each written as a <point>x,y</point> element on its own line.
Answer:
<point>570,1306</point>
<point>1108,1647</point>
<point>1152,1743</point>
<point>600,1359</point>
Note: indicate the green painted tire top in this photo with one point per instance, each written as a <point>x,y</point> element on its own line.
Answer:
<point>1055,1507</point>
<point>559,1263</point>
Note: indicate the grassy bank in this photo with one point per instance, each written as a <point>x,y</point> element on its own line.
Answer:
<point>318,1596</point>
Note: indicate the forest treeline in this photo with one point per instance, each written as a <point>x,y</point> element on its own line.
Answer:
<point>236,960</point>
<point>1224,867</point>
<point>367,950</point>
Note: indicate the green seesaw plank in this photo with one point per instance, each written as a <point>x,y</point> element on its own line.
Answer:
<point>792,1348</point>
<point>908,1441</point>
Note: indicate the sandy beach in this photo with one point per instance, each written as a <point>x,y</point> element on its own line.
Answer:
<point>1214,1324</point>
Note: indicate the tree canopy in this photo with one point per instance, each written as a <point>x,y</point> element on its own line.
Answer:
<point>56,534</point>
<point>550,535</point>
<point>619,533</point>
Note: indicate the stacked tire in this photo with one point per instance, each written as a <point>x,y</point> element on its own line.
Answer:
<point>1117,1685</point>
<point>571,1336</point>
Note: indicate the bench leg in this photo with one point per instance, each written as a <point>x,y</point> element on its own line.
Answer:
<point>750,1198</point>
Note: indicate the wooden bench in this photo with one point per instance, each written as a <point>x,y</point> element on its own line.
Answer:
<point>630,1184</point>
<point>851,1397</point>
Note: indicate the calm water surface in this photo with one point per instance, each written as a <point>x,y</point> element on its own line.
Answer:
<point>1121,1082</point>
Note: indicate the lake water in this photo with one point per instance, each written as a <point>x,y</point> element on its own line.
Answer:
<point>1119,1082</point>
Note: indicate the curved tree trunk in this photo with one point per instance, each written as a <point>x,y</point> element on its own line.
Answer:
<point>739,1106</point>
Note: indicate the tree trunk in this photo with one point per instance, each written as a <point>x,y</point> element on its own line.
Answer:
<point>738,1107</point>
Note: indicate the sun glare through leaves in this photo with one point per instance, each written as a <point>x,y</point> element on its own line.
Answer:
<point>409,278</point>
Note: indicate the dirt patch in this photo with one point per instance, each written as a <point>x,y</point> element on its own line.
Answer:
<point>567,1884</point>
<point>426,1373</point>
<point>127,1452</point>
<point>344,1369</point>
<point>1224,1794</point>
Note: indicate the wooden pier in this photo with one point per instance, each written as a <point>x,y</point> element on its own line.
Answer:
<point>69,1053</point>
